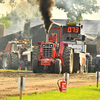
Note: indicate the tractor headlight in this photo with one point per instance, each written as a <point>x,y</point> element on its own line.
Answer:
<point>51,45</point>
<point>43,45</point>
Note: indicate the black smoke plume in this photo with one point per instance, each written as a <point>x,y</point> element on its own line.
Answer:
<point>45,7</point>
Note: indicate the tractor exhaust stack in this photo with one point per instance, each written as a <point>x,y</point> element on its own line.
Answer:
<point>47,36</point>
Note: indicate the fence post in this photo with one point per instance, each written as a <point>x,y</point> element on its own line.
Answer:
<point>21,83</point>
<point>97,77</point>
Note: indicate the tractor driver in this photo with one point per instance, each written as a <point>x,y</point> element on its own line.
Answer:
<point>52,37</point>
<point>23,49</point>
<point>70,38</point>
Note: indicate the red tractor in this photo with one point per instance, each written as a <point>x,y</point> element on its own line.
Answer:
<point>52,56</point>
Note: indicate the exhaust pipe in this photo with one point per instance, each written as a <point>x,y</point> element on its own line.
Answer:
<point>47,36</point>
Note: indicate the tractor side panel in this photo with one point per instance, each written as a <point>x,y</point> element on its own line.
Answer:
<point>8,48</point>
<point>76,62</point>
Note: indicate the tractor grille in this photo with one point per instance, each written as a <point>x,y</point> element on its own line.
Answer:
<point>47,51</point>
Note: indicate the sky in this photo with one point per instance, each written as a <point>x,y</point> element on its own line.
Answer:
<point>57,14</point>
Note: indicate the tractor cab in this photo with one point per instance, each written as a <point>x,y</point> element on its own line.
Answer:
<point>14,45</point>
<point>72,36</point>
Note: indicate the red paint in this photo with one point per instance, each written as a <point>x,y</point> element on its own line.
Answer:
<point>20,66</point>
<point>55,54</point>
<point>6,50</point>
<point>65,44</point>
<point>63,86</point>
<point>47,61</point>
<point>52,38</point>
<point>61,48</point>
<point>39,43</point>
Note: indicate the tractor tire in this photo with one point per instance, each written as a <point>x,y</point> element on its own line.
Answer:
<point>6,62</point>
<point>58,66</point>
<point>94,61</point>
<point>68,60</point>
<point>15,61</point>
<point>35,65</point>
<point>89,64</point>
<point>98,67</point>
<point>35,55</point>
<point>93,69</point>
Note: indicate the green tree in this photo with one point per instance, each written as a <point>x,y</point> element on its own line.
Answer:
<point>5,20</point>
<point>76,8</point>
<point>23,11</point>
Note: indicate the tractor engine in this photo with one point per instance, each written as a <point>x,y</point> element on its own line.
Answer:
<point>48,50</point>
<point>47,53</point>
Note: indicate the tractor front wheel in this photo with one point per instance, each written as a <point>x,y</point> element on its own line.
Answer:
<point>68,60</point>
<point>6,61</point>
<point>15,61</point>
<point>58,66</point>
<point>35,65</point>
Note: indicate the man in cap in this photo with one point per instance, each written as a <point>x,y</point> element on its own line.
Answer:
<point>70,37</point>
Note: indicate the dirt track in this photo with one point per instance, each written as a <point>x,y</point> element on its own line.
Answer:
<point>37,83</point>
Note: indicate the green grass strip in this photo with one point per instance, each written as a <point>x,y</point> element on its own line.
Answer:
<point>89,73</point>
<point>78,93</point>
<point>15,70</point>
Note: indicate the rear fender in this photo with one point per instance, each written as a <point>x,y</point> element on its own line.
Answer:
<point>61,49</point>
<point>41,51</point>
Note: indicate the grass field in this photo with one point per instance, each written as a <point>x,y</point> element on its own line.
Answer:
<point>29,71</point>
<point>15,70</point>
<point>78,93</point>
<point>89,73</point>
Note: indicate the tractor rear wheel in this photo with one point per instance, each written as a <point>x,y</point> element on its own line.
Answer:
<point>89,62</point>
<point>15,61</point>
<point>35,53</point>
<point>6,61</point>
<point>58,66</point>
<point>35,65</point>
<point>35,56</point>
<point>68,60</point>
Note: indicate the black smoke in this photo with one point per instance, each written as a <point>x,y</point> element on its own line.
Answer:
<point>45,7</point>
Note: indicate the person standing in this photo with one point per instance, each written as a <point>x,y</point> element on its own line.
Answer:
<point>23,49</point>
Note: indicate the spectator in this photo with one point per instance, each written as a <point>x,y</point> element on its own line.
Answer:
<point>23,49</point>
